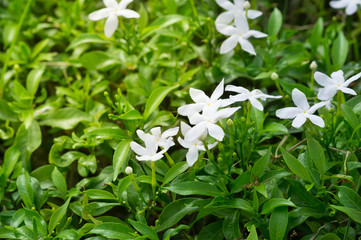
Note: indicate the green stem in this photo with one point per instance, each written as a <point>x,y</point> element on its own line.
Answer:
<point>312,80</point>
<point>347,229</point>
<point>209,153</point>
<point>8,54</point>
<point>249,107</point>
<point>154,181</point>
<point>339,102</point>
<point>279,88</point>
<point>134,183</point>
<point>170,160</point>
<point>312,130</point>
<point>194,9</point>
<point>254,4</point>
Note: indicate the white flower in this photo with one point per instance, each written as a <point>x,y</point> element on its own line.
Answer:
<point>331,85</point>
<point>244,95</point>
<point>234,11</point>
<point>112,11</point>
<point>164,139</point>
<point>149,152</point>
<point>207,122</point>
<point>203,101</point>
<point>193,146</point>
<point>302,111</point>
<point>350,5</point>
<point>239,34</point>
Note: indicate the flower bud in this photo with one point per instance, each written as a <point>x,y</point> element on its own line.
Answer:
<point>246,5</point>
<point>274,76</point>
<point>16,67</point>
<point>313,66</point>
<point>128,170</point>
<point>230,122</point>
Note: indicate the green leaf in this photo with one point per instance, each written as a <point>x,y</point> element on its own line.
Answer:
<point>340,50</point>
<point>162,22</point>
<point>98,208</point>
<point>274,203</point>
<point>6,113</point>
<point>59,181</point>
<point>261,164</point>
<point>196,188</point>
<point>33,79</point>
<point>316,34</point>
<point>212,231</point>
<point>85,39</point>
<point>278,223</point>
<point>144,229</point>
<point>11,157</point>
<point>175,171</point>
<point>25,190</point>
<point>317,155</point>
<point>349,198</point>
<point>188,75</point>
<point>66,118</point>
<point>9,32</point>
<point>275,22</point>
<point>350,116</point>
<point>108,133</point>
<point>240,181</point>
<point>230,226</point>
<point>329,236</point>
<point>155,98</point>
<point>131,115</point>
<point>252,234</point>
<point>295,166</point>
<point>352,213</point>
<point>120,157</point>
<point>113,231</point>
<point>57,216</point>
<point>96,194</point>
<point>123,184</point>
<point>98,60</point>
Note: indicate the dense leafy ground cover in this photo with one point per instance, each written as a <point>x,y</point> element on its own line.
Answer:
<point>76,106</point>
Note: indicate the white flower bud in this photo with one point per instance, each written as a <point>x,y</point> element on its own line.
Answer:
<point>313,65</point>
<point>128,170</point>
<point>246,5</point>
<point>274,76</point>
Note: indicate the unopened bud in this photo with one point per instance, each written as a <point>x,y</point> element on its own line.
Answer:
<point>313,65</point>
<point>246,5</point>
<point>16,67</point>
<point>230,122</point>
<point>128,170</point>
<point>274,76</point>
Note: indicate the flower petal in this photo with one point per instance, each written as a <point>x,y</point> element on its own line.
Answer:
<point>225,4</point>
<point>316,120</point>
<point>339,4</point>
<point>196,118</point>
<point>351,8</point>
<point>239,97</point>
<point>253,14</point>
<point>218,91</point>
<point>338,76</point>
<point>198,96</point>
<point>232,88</point>
<point>254,33</point>
<point>227,30</point>
<point>139,150</point>
<point>247,46</point>
<point>241,23</point>
<point>288,112</point>
<point>184,128</point>
<point>255,103</point>
<point>347,90</point>
<point>100,14</point>
<point>226,112</point>
<point>299,120</point>
<point>184,143</point>
<point>127,13</point>
<point>215,131</point>
<point>192,156</point>
<point>316,107</point>
<point>323,79</point>
<point>190,109</point>
<point>223,19</point>
<point>327,93</point>
<point>196,131</point>
<point>300,100</point>
<point>351,79</point>
<point>170,132</point>
<point>229,44</point>
<point>124,3</point>
<point>156,132</point>
<point>110,3</point>
<point>111,25</point>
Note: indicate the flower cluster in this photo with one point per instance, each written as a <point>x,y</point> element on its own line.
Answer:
<point>234,23</point>
<point>350,5</point>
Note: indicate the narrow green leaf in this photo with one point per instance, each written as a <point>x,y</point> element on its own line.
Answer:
<point>113,231</point>
<point>316,34</point>
<point>155,98</point>
<point>352,213</point>
<point>108,133</point>
<point>98,208</point>
<point>85,39</point>
<point>240,181</point>
<point>196,188</point>
<point>253,234</point>
<point>295,166</point>
<point>340,50</point>
<point>274,203</point>
<point>212,231</point>
<point>230,226</point>
<point>11,157</point>
<point>144,229</point>
<point>317,155</point>
<point>59,181</point>
<point>57,216</point>
<point>96,194</point>
<point>350,116</point>
<point>120,158</point>
<point>261,164</point>
<point>278,223</point>
<point>33,79</point>
<point>329,236</point>
<point>275,22</point>
<point>175,171</point>
<point>349,198</point>
<point>66,118</point>
<point>6,113</point>
<point>25,190</point>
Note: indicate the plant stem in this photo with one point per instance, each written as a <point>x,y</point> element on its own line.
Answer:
<point>347,229</point>
<point>249,107</point>
<point>154,181</point>
<point>312,80</point>
<point>209,153</point>
<point>8,54</point>
<point>279,88</point>
<point>170,160</point>
<point>339,101</point>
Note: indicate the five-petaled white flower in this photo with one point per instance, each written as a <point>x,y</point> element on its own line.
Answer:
<point>331,85</point>
<point>192,146</point>
<point>207,122</point>
<point>245,94</point>
<point>203,101</point>
<point>150,151</point>
<point>350,5</point>
<point>164,140</point>
<point>239,34</point>
<point>302,111</point>
<point>112,11</point>
<point>234,12</point>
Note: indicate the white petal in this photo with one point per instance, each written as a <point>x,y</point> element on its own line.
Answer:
<point>241,23</point>
<point>226,112</point>
<point>100,14</point>
<point>327,93</point>
<point>339,4</point>
<point>127,13</point>
<point>190,109</point>
<point>227,30</point>
<point>156,132</point>
<point>192,156</point>
<point>300,100</point>
<point>323,79</point>
<point>210,146</point>
<point>184,128</point>
<point>288,112</point>
<point>196,118</point>
<point>218,91</point>
<point>347,90</point>
<point>184,143</point>
<point>225,4</point>
<point>239,97</point>
<point>124,3</point>
<point>338,77</point>
<point>224,18</point>
<point>110,3</point>
<point>196,131</point>
<point>225,102</point>
<point>156,157</point>
<point>170,132</point>
<point>351,79</point>
<point>253,14</point>
<point>236,89</point>
<point>255,103</point>
<point>139,150</point>
<point>254,33</point>
<point>247,46</point>
<point>316,107</point>
<point>215,131</point>
<point>316,120</point>
<point>351,8</point>
<point>111,25</point>
<point>299,120</point>
<point>229,44</point>
<point>198,96</point>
